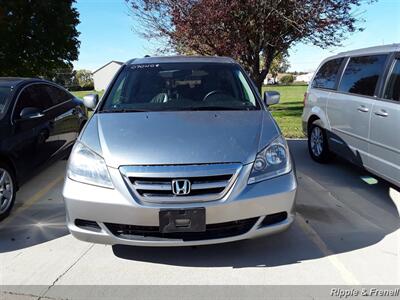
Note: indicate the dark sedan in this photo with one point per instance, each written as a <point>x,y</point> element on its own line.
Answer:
<point>39,122</point>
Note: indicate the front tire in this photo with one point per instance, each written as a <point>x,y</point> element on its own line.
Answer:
<point>8,189</point>
<point>318,144</point>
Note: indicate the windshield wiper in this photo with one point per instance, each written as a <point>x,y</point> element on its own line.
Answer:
<point>220,108</point>
<point>123,110</point>
<point>188,108</point>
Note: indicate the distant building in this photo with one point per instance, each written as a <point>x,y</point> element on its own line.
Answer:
<point>103,75</point>
<point>269,79</point>
<point>304,77</point>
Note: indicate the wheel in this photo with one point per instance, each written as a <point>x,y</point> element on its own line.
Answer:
<point>7,190</point>
<point>318,144</point>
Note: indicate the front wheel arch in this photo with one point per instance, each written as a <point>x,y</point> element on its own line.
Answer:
<point>324,154</point>
<point>6,160</point>
<point>12,183</point>
<point>314,119</point>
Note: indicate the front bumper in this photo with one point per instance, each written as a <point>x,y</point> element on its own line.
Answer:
<point>119,206</point>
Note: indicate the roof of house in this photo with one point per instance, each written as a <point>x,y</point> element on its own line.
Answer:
<point>113,61</point>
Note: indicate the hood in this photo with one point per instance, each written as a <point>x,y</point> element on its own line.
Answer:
<point>165,138</point>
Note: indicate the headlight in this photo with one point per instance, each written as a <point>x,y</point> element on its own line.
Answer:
<point>88,167</point>
<point>272,161</point>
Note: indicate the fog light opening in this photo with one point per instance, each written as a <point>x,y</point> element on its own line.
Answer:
<point>274,218</point>
<point>87,225</point>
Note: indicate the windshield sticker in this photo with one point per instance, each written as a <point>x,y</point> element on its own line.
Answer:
<point>146,66</point>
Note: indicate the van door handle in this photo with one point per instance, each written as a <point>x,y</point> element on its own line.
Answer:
<point>362,108</point>
<point>381,113</point>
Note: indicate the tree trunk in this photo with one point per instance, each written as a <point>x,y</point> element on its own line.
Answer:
<point>256,74</point>
<point>259,77</point>
<point>259,83</point>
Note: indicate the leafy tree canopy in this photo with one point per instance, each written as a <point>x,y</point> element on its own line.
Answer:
<point>247,30</point>
<point>280,64</point>
<point>37,37</point>
<point>84,78</point>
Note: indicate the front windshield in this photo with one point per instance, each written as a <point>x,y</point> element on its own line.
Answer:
<point>4,96</point>
<point>180,86</point>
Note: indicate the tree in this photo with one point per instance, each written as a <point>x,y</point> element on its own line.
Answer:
<point>245,29</point>
<point>37,37</point>
<point>85,79</point>
<point>65,77</point>
<point>280,64</point>
<point>287,79</point>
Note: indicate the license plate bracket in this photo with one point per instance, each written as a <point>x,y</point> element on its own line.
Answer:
<point>182,220</point>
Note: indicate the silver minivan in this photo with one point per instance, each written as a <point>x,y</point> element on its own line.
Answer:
<point>179,151</point>
<point>352,108</point>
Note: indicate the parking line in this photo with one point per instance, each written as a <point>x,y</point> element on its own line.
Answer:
<point>395,196</point>
<point>346,275</point>
<point>32,200</point>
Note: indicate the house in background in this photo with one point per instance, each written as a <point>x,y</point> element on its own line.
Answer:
<point>270,79</point>
<point>304,77</point>
<point>103,75</point>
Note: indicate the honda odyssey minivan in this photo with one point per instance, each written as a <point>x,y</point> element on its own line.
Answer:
<point>179,151</point>
<point>352,108</point>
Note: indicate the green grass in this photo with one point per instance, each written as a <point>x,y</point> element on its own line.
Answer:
<point>288,112</point>
<point>80,94</point>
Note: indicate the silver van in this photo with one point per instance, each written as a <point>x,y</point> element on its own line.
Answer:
<point>352,108</point>
<point>179,151</point>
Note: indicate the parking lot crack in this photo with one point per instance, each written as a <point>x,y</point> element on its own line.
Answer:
<point>30,295</point>
<point>43,296</point>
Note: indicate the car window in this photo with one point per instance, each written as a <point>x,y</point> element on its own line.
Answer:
<point>181,86</point>
<point>247,92</point>
<point>33,96</point>
<point>362,74</point>
<point>327,75</point>
<point>4,96</point>
<point>57,95</point>
<point>392,90</point>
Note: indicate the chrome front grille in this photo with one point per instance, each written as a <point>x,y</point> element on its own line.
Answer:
<point>207,182</point>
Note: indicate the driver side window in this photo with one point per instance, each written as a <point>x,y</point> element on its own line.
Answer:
<point>32,96</point>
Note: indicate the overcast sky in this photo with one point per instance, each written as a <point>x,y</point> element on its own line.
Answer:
<point>107,34</point>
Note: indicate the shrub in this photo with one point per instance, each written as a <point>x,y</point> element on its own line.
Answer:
<point>287,79</point>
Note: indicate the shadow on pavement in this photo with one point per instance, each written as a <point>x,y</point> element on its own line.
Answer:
<point>346,181</point>
<point>346,212</point>
<point>43,219</point>
<point>286,248</point>
<point>41,225</point>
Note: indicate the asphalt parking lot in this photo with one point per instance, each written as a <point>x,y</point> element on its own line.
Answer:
<point>346,232</point>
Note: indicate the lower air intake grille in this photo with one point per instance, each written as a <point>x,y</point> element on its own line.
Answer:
<point>213,231</point>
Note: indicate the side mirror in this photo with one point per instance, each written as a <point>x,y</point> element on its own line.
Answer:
<point>271,97</point>
<point>90,101</point>
<point>30,113</point>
